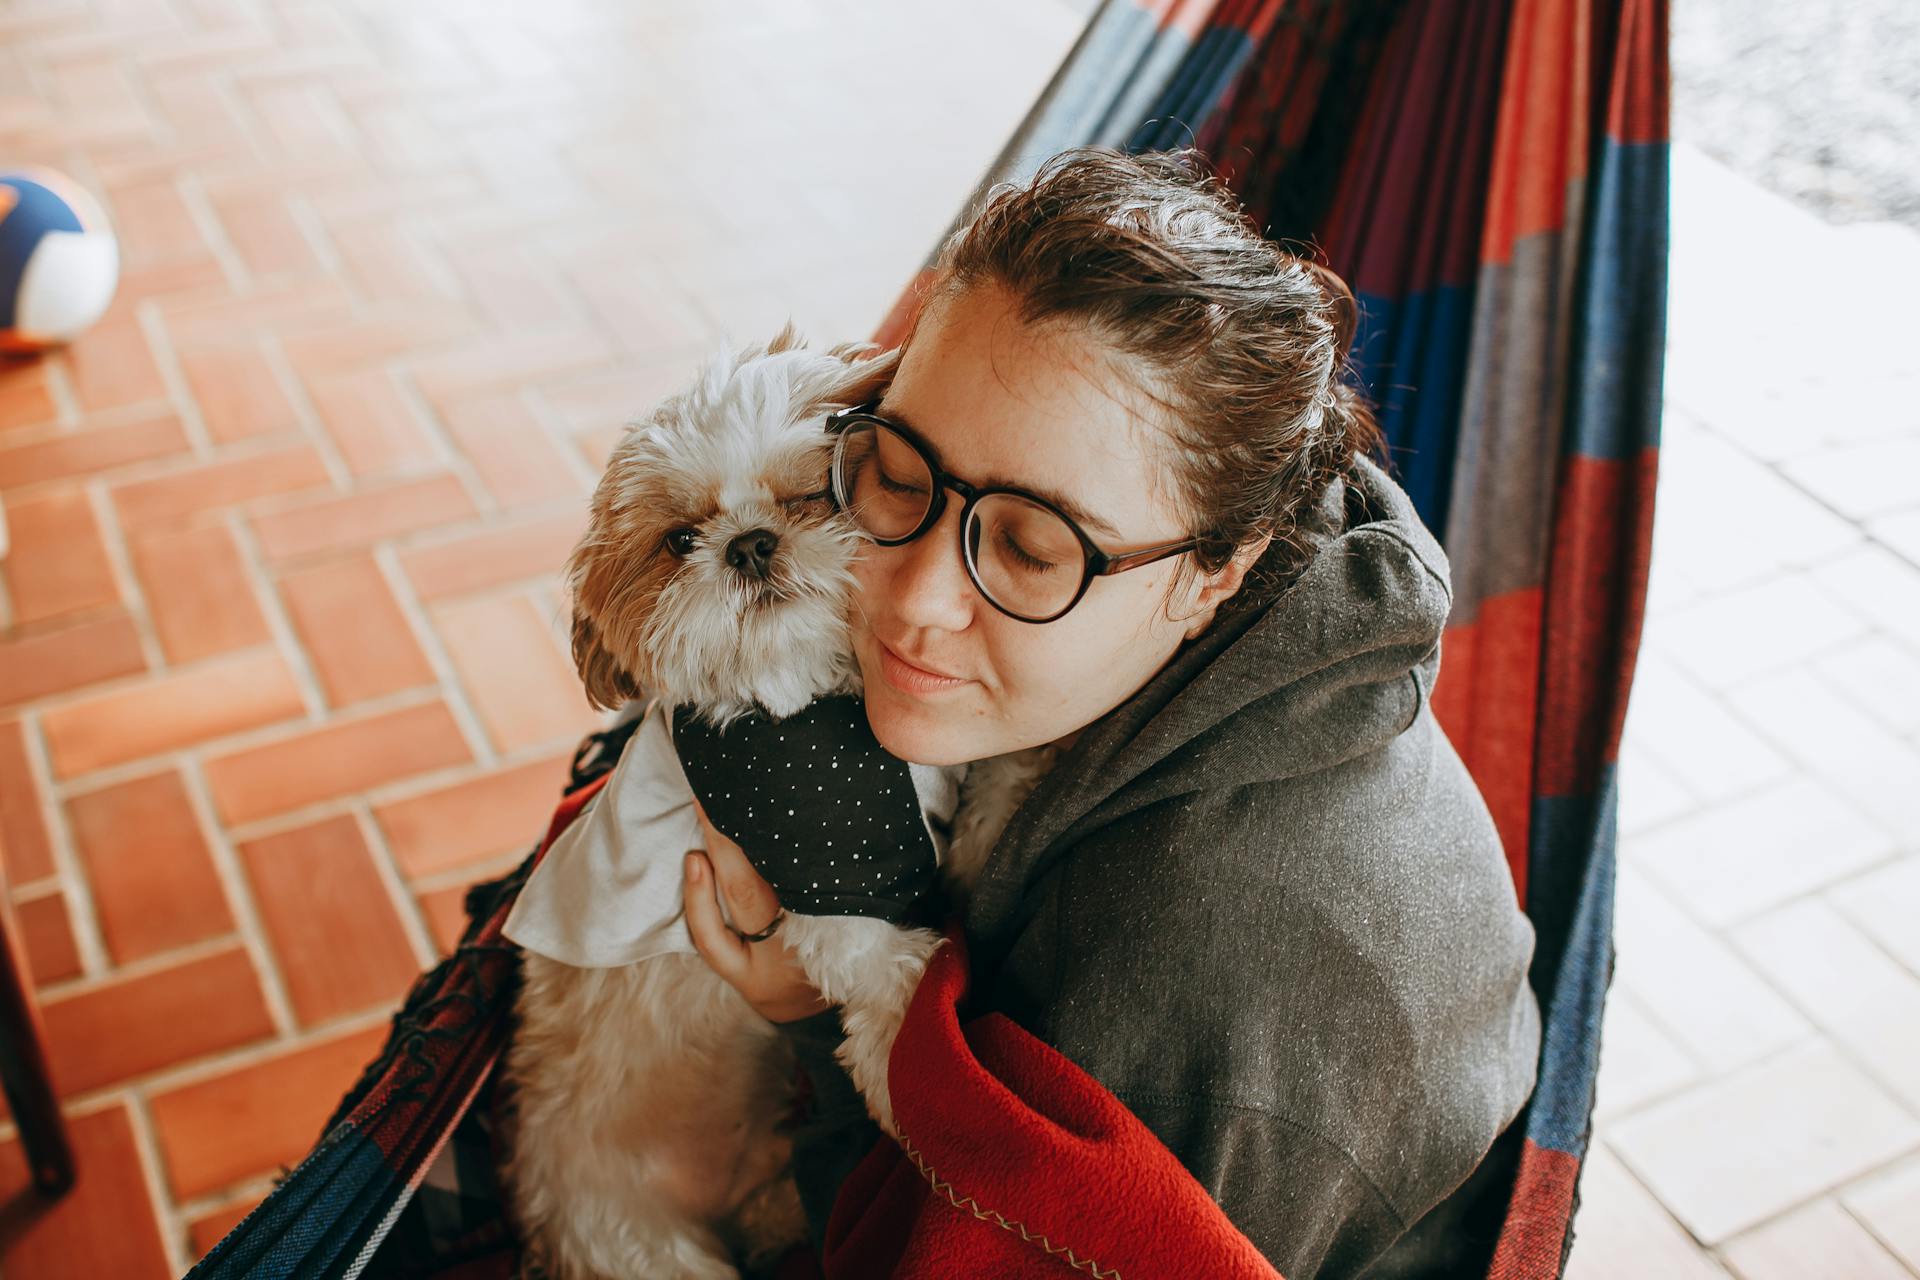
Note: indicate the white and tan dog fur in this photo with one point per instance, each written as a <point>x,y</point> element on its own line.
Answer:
<point>644,1138</point>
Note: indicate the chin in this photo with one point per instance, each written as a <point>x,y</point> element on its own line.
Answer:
<point>915,734</point>
<point>907,728</point>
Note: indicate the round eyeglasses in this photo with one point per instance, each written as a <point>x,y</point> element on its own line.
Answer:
<point>1026,557</point>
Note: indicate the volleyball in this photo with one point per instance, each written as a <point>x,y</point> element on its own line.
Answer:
<point>59,261</point>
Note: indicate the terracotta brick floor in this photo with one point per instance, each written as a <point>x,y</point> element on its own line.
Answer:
<point>280,669</point>
<point>281,654</point>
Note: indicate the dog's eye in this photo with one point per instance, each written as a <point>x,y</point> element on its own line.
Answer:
<point>809,503</point>
<point>680,541</point>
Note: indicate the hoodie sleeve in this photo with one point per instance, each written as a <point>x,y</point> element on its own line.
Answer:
<point>1313,991</point>
<point>1301,1200</point>
<point>835,1132</point>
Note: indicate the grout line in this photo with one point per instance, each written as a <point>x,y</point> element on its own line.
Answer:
<point>452,692</point>
<point>212,1066</point>
<point>7,622</point>
<point>400,789</point>
<point>254,1188</point>
<point>118,547</point>
<point>139,470</point>
<point>286,637</point>
<point>1850,697</point>
<point>471,873</point>
<point>312,424</point>
<point>1709,1077</point>
<point>51,429</point>
<point>1842,1046</point>
<point>141,967</point>
<point>319,241</point>
<point>1867,934</point>
<point>542,411</point>
<point>430,257</point>
<point>1816,1037</point>
<point>428,414</point>
<point>1892,1250</point>
<point>32,891</point>
<point>199,206</point>
<point>1626,1166</point>
<point>256,735</point>
<point>146,1145</point>
<point>82,915</point>
<point>412,919</point>
<point>166,358</point>
<point>128,683</point>
<point>68,411</point>
<point>225,856</point>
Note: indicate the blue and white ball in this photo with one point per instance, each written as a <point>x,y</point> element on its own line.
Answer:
<point>59,260</point>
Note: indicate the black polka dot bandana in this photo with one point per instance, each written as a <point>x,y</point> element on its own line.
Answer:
<point>825,814</point>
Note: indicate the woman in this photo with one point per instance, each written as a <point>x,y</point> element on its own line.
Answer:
<point>1257,897</point>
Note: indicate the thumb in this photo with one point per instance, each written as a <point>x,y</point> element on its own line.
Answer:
<point>721,947</point>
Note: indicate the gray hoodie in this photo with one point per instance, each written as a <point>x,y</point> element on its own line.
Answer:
<point>1263,902</point>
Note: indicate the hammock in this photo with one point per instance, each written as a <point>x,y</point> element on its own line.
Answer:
<point>1491,175</point>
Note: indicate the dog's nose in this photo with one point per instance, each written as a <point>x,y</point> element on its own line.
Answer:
<point>752,552</point>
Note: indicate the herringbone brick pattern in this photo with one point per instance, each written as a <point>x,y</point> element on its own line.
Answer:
<point>281,650</point>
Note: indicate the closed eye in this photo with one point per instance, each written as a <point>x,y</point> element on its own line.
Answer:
<point>806,501</point>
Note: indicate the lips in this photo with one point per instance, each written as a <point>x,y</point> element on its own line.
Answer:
<point>910,677</point>
<point>916,663</point>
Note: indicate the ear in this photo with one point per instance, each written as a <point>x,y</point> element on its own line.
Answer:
<point>607,683</point>
<point>856,373</point>
<point>588,576</point>
<point>1218,587</point>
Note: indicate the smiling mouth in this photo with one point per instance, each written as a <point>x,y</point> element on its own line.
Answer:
<point>908,678</point>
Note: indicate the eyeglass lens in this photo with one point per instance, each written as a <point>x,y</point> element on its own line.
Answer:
<point>1025,558</point>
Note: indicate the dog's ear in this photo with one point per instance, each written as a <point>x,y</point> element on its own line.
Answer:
<point>607,683</point>
<point>788,339</point>
<point>859,372</point>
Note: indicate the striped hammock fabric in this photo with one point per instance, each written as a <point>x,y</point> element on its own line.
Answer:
<point>1491,176</point>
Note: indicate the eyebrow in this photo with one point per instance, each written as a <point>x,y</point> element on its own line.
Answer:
<point>1077,513</point>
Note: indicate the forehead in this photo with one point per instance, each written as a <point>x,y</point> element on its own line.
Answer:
<point>1041,409</point>
<point>694,467</point>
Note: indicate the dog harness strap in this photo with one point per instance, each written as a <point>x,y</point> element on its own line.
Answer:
<point>830,820</point>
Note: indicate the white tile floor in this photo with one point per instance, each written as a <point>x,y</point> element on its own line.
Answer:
<point>1759,1103</point>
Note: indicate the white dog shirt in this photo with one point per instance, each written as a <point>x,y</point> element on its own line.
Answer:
<point>835,824</point>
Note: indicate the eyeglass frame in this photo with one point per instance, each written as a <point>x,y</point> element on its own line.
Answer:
<point>1096,562</point>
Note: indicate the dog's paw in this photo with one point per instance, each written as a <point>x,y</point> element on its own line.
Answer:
<point>865,1052</point>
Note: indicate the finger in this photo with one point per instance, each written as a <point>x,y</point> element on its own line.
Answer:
<point>752,903</point>
<point>720,946</point>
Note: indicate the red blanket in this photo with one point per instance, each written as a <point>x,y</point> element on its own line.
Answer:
<point>1015,1162</point>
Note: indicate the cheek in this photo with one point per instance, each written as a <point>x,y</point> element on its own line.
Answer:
<point>1087,662</point>
<point>1116,639</point>
<point>870,578</point>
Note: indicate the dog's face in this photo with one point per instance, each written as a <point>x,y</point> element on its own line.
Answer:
<point>714,570</point>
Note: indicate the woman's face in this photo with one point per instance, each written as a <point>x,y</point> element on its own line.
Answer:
<point>948,677</point>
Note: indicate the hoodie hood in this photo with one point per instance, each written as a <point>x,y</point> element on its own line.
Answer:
<point>1296,675</point>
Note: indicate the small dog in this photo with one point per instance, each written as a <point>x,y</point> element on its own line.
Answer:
<point>714,575</point>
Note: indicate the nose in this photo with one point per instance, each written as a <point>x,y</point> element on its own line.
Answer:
<point>929,586</point>
<point>751,553</point>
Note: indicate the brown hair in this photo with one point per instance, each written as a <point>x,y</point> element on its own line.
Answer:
<point>1243,344</point>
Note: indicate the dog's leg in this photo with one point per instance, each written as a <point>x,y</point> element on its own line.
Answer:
<point>871,968</point>
<point>641,1094</point>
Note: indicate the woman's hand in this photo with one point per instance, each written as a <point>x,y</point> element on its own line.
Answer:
<point>764,972</point>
